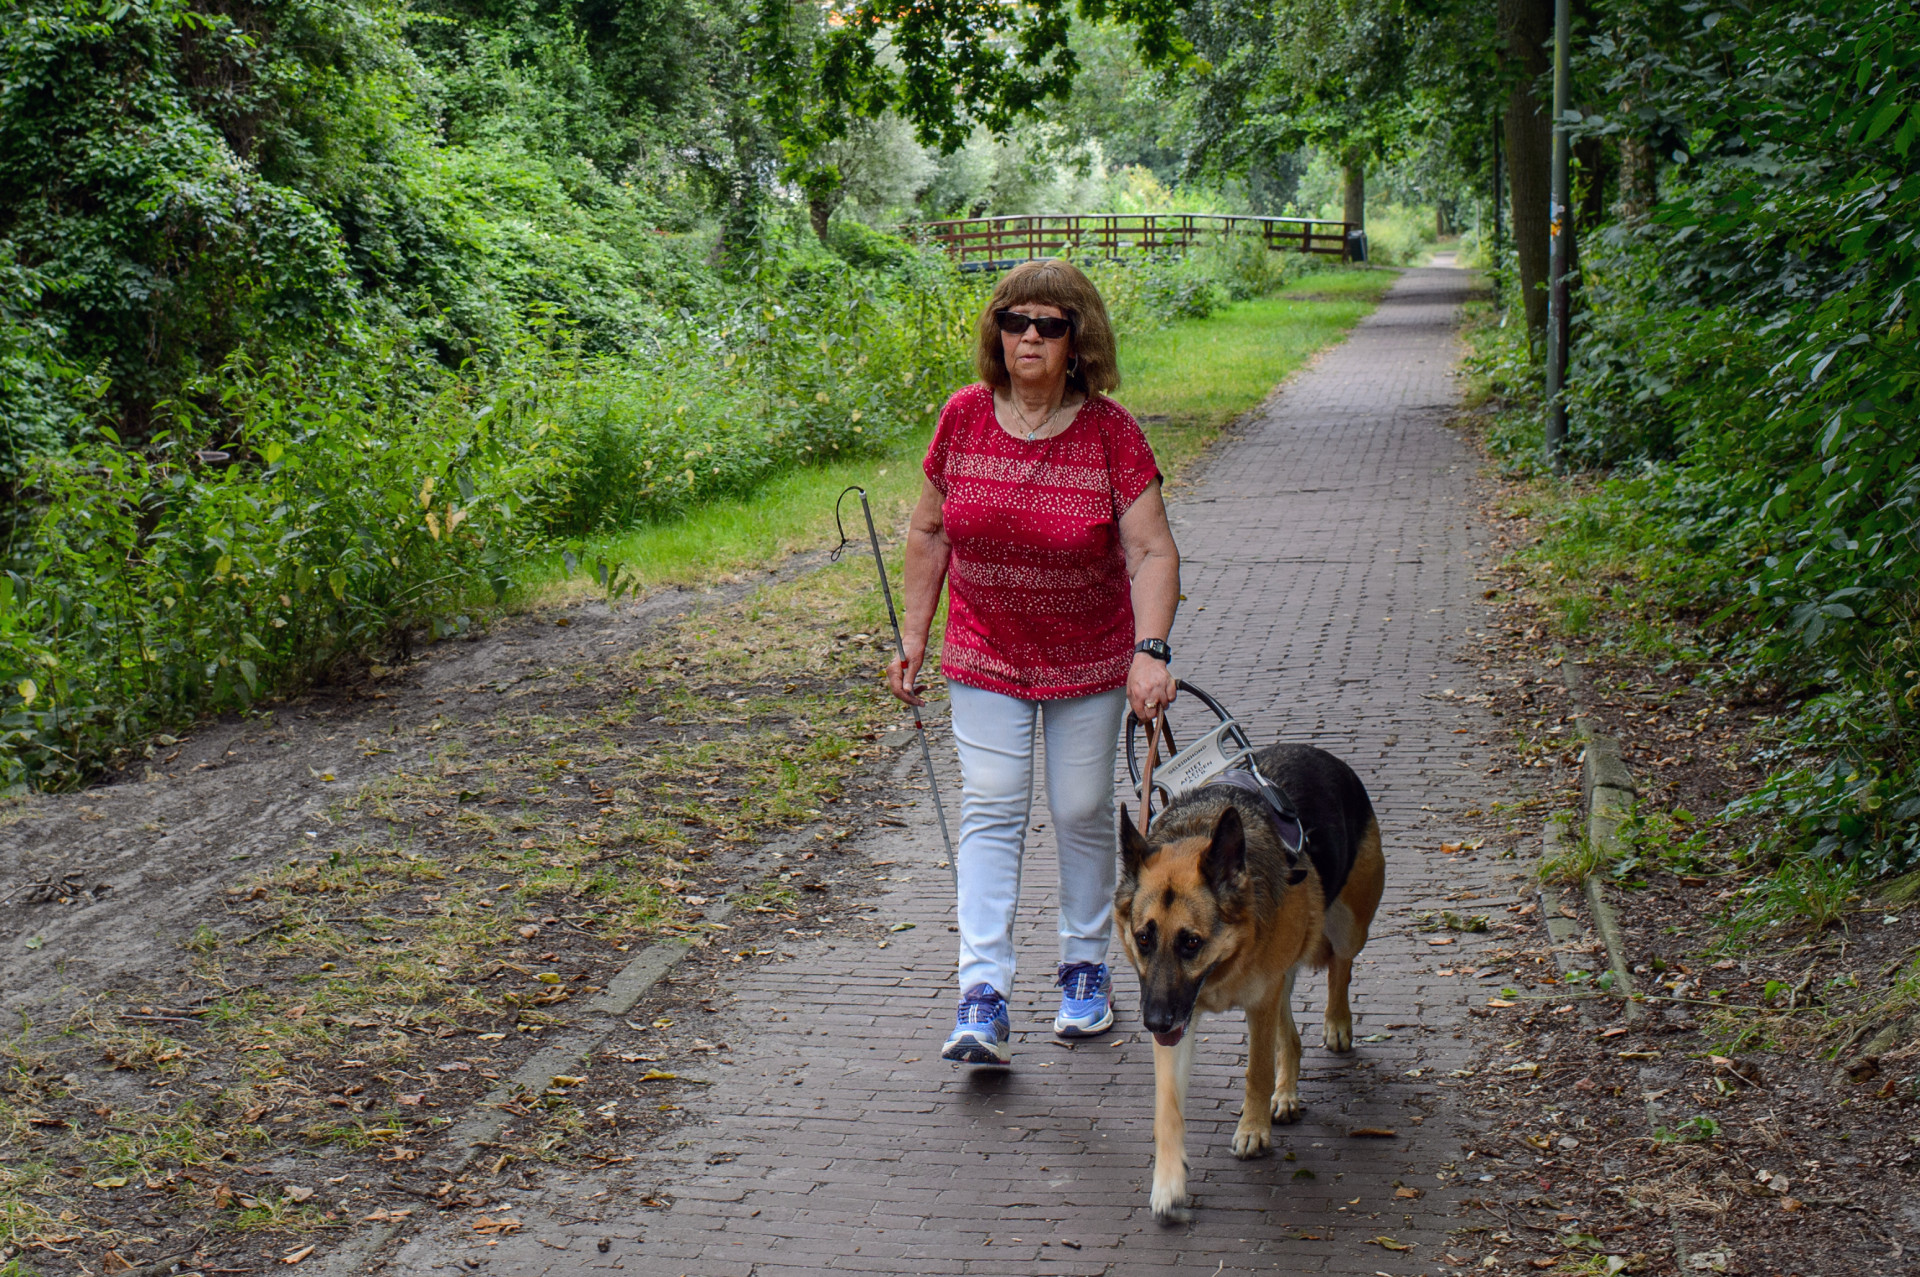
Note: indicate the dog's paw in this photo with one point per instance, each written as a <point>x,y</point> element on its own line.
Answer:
<point>1338,1035</point>
<point>1286,1107</point>
<point>1171,1205</point>
<point>1251,1139</point>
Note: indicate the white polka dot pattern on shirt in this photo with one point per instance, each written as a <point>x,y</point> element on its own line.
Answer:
<point>1040,603</point>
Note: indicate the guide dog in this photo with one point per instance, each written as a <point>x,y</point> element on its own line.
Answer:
<point>1216,913</point>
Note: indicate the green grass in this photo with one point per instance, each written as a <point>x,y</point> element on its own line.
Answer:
<point>1193,378</point>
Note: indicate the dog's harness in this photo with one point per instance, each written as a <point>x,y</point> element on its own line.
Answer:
<point>1274,804</point>
<point>1224,756</point>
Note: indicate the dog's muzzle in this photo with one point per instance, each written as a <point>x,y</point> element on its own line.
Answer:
<point>1172,1036</point>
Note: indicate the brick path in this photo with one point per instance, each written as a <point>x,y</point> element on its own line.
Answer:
<point>1330,573</point>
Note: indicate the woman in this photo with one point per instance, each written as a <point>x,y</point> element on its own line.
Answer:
<point>1041,509</point>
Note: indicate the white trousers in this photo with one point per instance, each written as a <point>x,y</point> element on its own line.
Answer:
<point>995,734</point>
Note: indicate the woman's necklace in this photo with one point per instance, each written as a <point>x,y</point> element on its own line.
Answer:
<point>1044,422</point>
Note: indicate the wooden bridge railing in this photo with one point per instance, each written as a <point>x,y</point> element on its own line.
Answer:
<point>983,243</point>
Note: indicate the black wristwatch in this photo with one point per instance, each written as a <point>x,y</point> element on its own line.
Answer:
<point>1156,648</point>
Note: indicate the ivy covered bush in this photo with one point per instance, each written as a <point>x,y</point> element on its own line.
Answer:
<point>1744,367</point>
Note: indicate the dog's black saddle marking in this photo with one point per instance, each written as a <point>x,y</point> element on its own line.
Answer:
<point>1273,801</point>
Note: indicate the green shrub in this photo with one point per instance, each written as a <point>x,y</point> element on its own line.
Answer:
<point>861,245</point>
<point>1399,235</point>
<point>1744,364</point>
<point>362,496</point>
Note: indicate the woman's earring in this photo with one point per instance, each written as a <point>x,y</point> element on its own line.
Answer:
<point>1073,366</point>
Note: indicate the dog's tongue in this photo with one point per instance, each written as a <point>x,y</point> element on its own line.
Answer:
<point>1171,1039</point>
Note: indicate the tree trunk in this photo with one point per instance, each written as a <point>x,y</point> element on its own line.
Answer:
<point>1639,169</point>
<point>1526,27</point>
<point>1354,181</point>
<point>820,212</point>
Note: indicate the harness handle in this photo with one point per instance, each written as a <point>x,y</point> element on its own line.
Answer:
<point>1166,728</point>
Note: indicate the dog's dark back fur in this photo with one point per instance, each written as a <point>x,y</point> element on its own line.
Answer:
<point>1331,801</point>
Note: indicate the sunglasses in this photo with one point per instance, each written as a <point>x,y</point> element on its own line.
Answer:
<point>1048,326</point>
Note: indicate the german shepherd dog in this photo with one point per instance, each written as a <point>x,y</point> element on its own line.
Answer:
<point>1216,914</point>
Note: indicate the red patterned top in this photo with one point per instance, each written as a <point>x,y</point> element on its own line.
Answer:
<point>1039,604</point>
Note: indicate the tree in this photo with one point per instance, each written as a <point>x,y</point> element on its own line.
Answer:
<point>1283,74</point>
<point>1526,28</point>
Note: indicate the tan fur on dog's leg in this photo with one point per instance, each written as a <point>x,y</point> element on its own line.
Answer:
<point>1336,1033</point>
<point>1347,922</point>
<point>1254,1135</point>
<point>1172,1067</point>
<point>1286,1092</point>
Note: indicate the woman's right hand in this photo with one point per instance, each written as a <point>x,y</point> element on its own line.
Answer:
<point>902,673</point>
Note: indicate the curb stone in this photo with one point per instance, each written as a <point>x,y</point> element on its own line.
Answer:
<point>1608,795</point>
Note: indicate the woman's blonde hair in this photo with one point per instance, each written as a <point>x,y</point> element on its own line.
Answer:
<point>1052,282</point>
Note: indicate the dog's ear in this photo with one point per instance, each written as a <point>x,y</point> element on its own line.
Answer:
<point>1226,857</point>
<point>1133,848</point>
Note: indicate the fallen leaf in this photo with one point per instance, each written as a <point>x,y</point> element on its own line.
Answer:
<point>567,1079</point>
<point>658,1075</point>
<point>114,1262</point>
<point>382,1216</point>
<point>1639,1055</point>
<point>1389,1243</point>
<point>410,1100</point>
<point>1409,1193</point>
<point>1542,1263</point>
<point>1500,1002</point>
<point>1371,1133</point>
<point>1791,1203</point>
<point>297,1255</point>
<point>1463,922</point>
<point>1443,940</point>
<point>504,1224</point>
<point>1614,1032</point>
<point>455,1066</point>
<point>529,932</point>
<point>111,1181</point>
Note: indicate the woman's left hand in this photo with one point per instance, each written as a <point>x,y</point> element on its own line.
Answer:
<point>1149,682</point>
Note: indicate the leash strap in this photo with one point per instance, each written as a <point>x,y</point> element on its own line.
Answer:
<point>1146,785</point>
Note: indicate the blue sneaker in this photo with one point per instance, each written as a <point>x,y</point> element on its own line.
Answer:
<point>1086,999</point>
<point>981,1029</point>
